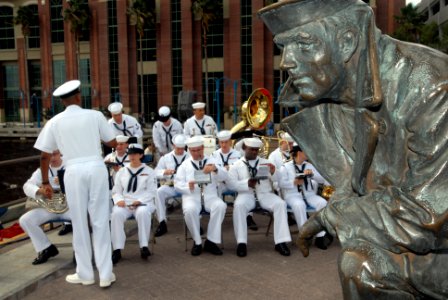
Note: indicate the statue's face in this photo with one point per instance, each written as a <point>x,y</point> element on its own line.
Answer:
<point>313,61</point>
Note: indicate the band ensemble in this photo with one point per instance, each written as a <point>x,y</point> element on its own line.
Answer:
<point>195,167</point>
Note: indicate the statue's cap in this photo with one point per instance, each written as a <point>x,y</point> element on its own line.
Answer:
<point>288,14</point>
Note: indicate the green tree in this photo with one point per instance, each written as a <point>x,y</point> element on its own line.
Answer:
<point>141,16</point>
<point>26,18</point>
<point>411,23</point>
<point>430,35</point>
<point>206,11</point>
<point>78,15</point>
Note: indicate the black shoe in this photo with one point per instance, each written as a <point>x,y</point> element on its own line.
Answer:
<point>320,243</point>
<point>45,254</point>
<point>241,250</point>
<point>282,249</point>
<point>66,229</point>
<point>144,253</point>
<point>212,248</point>
<point>116,256</point>
<point>328,239</point>
<point>251,223</point>
<point>161,229</point>
<point>196,250</point>
<point>291,220</point>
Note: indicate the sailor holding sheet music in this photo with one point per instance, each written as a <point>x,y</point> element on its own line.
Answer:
<point>197,179</point>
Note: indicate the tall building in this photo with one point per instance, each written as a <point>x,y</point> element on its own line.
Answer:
<point>240,51</point>
<point>435,11</point>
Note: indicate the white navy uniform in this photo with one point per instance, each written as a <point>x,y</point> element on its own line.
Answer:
<point>128,127</point>
<point>78,133</point>
<point>245,201</point>
<point>169,161</point>
<point>162,135</point>
<point>31,221</point>
<point>143,191</point>
<point>294,197</point>
<point>206,126</point>
<point>278,157</point>
<point>122,161</point>
<point>224,160</point>
<point>191,200</point>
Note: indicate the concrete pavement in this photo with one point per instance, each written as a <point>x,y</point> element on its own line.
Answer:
<point>172,273</point>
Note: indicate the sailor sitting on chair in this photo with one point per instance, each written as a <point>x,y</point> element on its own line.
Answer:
<point>31,221</point>
<point>200,123</point>
<point>299,180</point>
<point>165,171</point>
<point>133,195</point>
<point>198,196</point>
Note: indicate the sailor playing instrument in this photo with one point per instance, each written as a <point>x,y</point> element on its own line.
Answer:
<point>166,169</point>
<point>299,181</point>
<point>118,158</point>
<point>78,133</point>
<point>164,130</point>
<point>31,221</point>
<point>242,178</point>
<point>133,195</point>
<point>123,124</point>
<point>200,123</point>
<point>193,194</point>
<point>281,155</point>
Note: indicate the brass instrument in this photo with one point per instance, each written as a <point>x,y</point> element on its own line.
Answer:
<point>327,191</point>
<point>57,204</point>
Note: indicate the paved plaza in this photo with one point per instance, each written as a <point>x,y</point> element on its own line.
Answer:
<point>172,273</point>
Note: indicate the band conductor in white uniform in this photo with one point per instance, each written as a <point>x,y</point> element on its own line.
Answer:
<point>31,220</point>
<point>185,182</point>
<point>165,171</point>
<point>123,124</point>
<point>242,178</point>
<point>200,123</point>
<point>133,194</point>
<point>78,133</point>
<point>164,130</point>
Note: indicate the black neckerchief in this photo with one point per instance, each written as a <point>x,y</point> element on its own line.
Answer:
<point>132,184</point>
<point>226,161</point>
<point>121,163</point>
<point>287,156</point>
<point>51,172</point>
<point>168,136</point>
<point>305,180</point>
<point>125,131</point>
<point>201,128</point>
<point>252,170</point>
<point>201,164</point>
<point>178,163</point>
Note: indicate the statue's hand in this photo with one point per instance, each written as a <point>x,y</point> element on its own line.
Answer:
<point>307,232</point>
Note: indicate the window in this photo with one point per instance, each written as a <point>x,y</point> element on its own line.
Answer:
<point>35,81</point>
<point>34,37</point>
<point>11,93</point>
<point>150,96</point>
<point>7,40</point>
<point>435,8</point>
<point>84,71</point>
<point>113,51</point>
<point>58,79</point>
<point>246,48</point>
<point>176,38</point>
<point>215,36</point>
<point>57,21</point>
<point>149,44</point>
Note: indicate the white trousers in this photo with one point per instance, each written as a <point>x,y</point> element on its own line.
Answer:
<point>298,206</point>
<point>87,191</point>
<point>246,201</point>
<point>142,215</point>
<point>191,206</point>
<point>31,221</point>
<point>164,192</point>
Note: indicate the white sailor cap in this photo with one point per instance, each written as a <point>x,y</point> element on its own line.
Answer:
<point>195,141</point>
<point>286,136</point>
<point>67,89</point>
<point>135,148</point>
<point>115,108</point>
<point>164,111</point>
<point>253,142</point>
<point>179,140</point>
<point>198,105</point>
<point>122,138</point>
<point>224,135</point>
